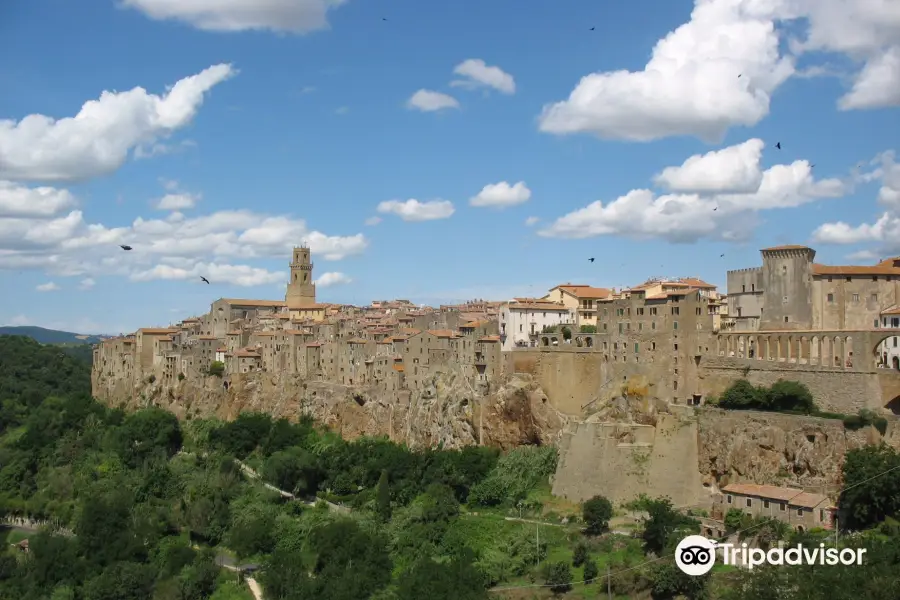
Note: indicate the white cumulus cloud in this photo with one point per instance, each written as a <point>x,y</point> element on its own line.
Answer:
<point>431,101</point>
<point>331,279</point>
<point>289,16</point>
<point>733,169</point>
<point>86,283</point>
<point>177,202</point>
<point>47,287</point>
<point>885,231</point>
<point>413,210</point>
<point>501,195</point>
<point>721,68</point>
<point>476,73</point>
<point>24,202</point>
<point>714,213</point>
<point>531,221</point>
<point>373,221</point>
<point>65,244</point>
<point>98,139</point>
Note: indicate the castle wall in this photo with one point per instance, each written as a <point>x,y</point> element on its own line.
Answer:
<point>621,461</point>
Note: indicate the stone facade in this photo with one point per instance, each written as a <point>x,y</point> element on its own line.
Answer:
<point>791,291</point>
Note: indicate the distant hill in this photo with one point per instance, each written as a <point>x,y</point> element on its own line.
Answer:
<point>52,336</point>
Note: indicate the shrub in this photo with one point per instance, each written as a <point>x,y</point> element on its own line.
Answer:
<point>597,512</point>
<point>588,329</point>
<point>216,368</point>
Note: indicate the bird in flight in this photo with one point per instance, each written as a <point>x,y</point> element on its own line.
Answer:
<point>592,28</point>
<point>204,279</point>
<point>383,19</point>
<point>721,256</point>
<point>739,75</point>
<point>716,208</point>
<point>126,248</point>
<point>591,259</point>
<point>778,145</point>
<point>812,166</point>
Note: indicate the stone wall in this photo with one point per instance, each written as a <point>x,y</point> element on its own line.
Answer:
<point>839,391</point>
<point>621,461</point>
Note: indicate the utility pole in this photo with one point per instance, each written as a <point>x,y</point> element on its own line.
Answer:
<point>608,583</point>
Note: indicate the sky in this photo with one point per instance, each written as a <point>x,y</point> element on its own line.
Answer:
<point>431,151</point>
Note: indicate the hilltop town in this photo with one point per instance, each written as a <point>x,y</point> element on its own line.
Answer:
<point>662,330</point>
<point>619,379</point>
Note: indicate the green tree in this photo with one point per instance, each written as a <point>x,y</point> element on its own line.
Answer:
<point>871,476</point>
<point>198,581</point>
<point>590,570</point>
<point>580,554</point>
<point>294,470</point>
<point>383,497</point>
<point>790,396</point>
<point>456,579</point>
<point>597,512</point>
<point>566,333</point>
<point>216,368</point>
<point>665,526</point>
<point>558,576</point>
<point>121,581</point>
<point>588,329</point>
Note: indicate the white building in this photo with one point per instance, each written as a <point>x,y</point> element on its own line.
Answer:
<point>523,317</point>
<point>889,350</point>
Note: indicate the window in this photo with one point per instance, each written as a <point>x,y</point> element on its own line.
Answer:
<point>830,279</point>
<point>697,310</point>
<point>520,327</point>
<point>785,319</point>
<point>544,315</point>
<point>653,345</point>
<point>674,385</point>
<point>729,498</point>
<point>781,506</point>
<point>604,327</point>
<point>830,298</point>
<point>653,310</point>
<point>621,327</point>
<point>676,347</point>
<point>821,516</point>
<point>749,502</point>
<point>784,299</point>
<point>784,270</point>
<point>856,297</point>
<point>765,504</point>
<point>874,298</point>
<point>799,512</point>
<point>620,312</point>
<point>640,326</point>
<point>848,279</point>
<point>675,310</point>
<point>752,287</point>
<point>876,324</point>
<point>636,348</point>
<point>674,324</point>
<point>653,325</point>
<point>874,277</point>
<point>743,288</point>
<point>640,312</point>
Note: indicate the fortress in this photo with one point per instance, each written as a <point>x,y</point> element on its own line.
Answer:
<point>669,344</point>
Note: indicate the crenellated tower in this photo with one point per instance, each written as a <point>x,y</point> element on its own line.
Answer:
<point>301,291</point>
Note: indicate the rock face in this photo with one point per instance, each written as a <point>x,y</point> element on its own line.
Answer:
<point>769,448</point>
<point>446,411</point>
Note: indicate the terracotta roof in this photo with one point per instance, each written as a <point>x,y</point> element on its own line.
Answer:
<point>399,338</point>
<point>537,305</point>
<point>246,354</point>
<point>234,332</point>
<point>441,333</point>
<point>398,368</point>
<point>473,324</point>
<point>697,283</point>
<point>166,339</point>
<point>157,331</point>
<point>314,345</point>
<point>894,310</point>
<point>243,302</point>
<point>357,341</point>
<point>410,330</point>
<point>569,286</point>
<point>490,338</point>
<point>885,267</point>
<point>264,333</point>
<point>221,349</point>
<point>207,338</point>
<point>792,496</point>
<point>316,306</point>
<point>786,247</point>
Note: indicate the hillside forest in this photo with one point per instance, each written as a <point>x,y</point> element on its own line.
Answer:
<point>140,506</point>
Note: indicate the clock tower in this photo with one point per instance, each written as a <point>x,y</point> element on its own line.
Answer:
<point>301,291</point>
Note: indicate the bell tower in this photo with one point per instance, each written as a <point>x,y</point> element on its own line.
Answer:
<point>301,291</point>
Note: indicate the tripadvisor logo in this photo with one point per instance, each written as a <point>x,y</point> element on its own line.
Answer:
<point>696,555</point>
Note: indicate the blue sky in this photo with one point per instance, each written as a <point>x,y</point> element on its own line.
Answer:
<point>296,131</point>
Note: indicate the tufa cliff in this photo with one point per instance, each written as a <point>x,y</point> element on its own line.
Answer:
<point>446,411</point>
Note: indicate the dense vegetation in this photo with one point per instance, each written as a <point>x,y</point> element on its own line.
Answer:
<point>791,397</point>
<point>151,508</point>
<point>50,336</point>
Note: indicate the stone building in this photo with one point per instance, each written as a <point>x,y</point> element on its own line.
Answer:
<point>792,292</point>
<point>524,318</point>
<point>581,301</point>
<point>889,349</point>
<point>800,509</point>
